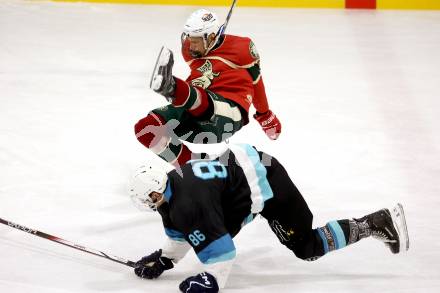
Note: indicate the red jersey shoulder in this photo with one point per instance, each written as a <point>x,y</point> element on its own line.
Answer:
<point>239,50</point>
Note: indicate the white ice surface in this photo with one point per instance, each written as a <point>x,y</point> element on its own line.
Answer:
<point>358,93</point>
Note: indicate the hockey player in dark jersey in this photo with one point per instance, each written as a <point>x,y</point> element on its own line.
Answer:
<point>214,101</point>
<point>206,207</point>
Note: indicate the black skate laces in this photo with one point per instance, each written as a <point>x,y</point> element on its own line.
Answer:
<point>380,235</point>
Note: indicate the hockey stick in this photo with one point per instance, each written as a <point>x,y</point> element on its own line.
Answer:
<point>68,243</point>
<point>223,27</point>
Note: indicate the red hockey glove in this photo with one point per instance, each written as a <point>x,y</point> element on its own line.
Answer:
<point>270,124</point>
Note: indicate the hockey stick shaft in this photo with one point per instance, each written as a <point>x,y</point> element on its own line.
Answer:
<point>68,243</point>
<point>228,16</point>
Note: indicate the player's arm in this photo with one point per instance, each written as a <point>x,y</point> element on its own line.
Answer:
<point>202,222</point>
<point>260,99</point>
<point>265,117</point>
<point>173,250</point>
<point>175,246</point>
<point>218,258</point>
<point>217,254</point>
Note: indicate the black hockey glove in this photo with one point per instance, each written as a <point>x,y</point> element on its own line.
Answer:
<point>201,283</point>
<point>153,265</point>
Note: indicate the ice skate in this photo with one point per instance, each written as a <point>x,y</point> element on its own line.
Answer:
<point>399,222</point>
<point>162,81</point>
<point>388,227</point>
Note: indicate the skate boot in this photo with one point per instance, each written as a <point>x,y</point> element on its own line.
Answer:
<point>162,81</point>
<point>388,227</point>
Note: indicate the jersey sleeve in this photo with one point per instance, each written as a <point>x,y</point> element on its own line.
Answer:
<point>175,249</point>
<point>175,246</point>
<point>260,99</point>
<point>212,244</point>
<point>201,220</point>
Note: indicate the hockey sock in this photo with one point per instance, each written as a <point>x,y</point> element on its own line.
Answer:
<point>152,133</point>
<point>338,234</point>
<point>193,99</point>
<point>334,235</point>
<point>149,130</point>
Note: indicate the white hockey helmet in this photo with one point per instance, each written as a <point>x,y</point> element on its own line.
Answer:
<point>147,179</point>
<point>201,23</point>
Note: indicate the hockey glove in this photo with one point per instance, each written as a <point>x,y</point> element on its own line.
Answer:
<point>270,124</point>
<point>201,283</point>
<point>153,265</point>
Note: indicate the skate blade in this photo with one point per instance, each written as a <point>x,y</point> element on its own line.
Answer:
<point>399,221</point>
<point>162,60</point>
<point>156,82</point>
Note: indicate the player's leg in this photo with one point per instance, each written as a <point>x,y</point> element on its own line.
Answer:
<point>163,130</point>
<point>157,132</point>
<point>384,225</point>
<point>225,119</point>
<point>289,216</point>
<point>291,220</point>
<point>217,117</point>
<point>193,99</point>
<point>179,93</point>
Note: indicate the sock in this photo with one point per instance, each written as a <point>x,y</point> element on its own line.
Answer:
<point>149,129</point>
<point>338,234</point>
<point>194,99</point>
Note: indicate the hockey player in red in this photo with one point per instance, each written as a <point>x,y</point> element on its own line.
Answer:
<point>214,101</point>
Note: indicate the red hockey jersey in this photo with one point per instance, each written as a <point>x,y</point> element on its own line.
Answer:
<point>231,70</point>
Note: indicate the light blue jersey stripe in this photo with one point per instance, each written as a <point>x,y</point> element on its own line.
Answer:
<point>249,160</point>
<point>338,234</point>
<point>175,235</point>
<point>223,257</point>
<point>266,190</point>
<point>219,250</point>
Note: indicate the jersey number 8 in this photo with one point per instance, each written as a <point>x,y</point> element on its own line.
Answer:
<point>209,170</point>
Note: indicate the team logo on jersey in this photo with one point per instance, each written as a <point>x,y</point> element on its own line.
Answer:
<point>207,17</point>
<point>208,75</point>
<point>253,51</point>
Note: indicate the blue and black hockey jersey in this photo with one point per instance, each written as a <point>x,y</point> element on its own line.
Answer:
<point>209,202</point>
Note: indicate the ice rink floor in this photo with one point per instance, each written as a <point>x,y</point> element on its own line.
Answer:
<point>358,95</point>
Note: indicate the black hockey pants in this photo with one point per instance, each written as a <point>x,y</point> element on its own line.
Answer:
<point>289,215</point>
